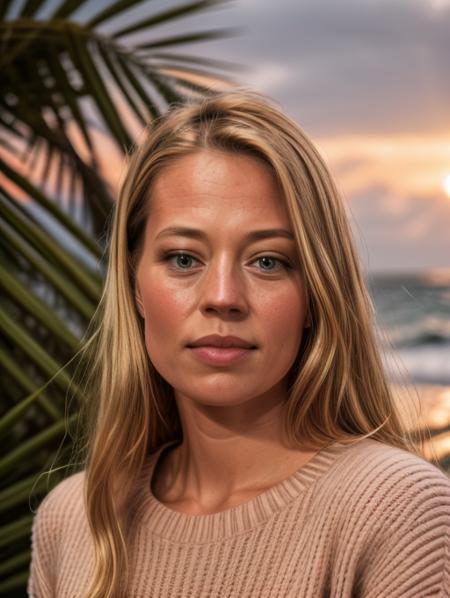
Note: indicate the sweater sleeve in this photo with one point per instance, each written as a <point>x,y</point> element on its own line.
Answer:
<point>43,551</point>
<point>408,555</point>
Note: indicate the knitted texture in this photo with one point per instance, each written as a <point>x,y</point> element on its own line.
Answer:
<point>365,520</point>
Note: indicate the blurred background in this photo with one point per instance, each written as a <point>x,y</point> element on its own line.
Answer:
<point>368,80</point>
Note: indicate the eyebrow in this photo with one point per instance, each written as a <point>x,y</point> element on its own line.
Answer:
<point>255,235</point>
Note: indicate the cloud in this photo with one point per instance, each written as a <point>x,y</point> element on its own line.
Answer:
<point>369,81</point>
<point>411,238</point>
<point>410,164</point>
<point>348,66</point>
<point>393,191</point>
<point>270,76</point>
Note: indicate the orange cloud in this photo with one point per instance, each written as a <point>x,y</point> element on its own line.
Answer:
<point>409,165</point>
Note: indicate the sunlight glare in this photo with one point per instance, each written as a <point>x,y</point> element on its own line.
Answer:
<point>439,4</point>
<point>446,184</point>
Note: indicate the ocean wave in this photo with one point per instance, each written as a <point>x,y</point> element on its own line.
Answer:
<point>427,364</point>
<point>424,331</point>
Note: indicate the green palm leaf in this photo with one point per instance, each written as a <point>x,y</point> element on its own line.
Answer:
<point>57,66</point>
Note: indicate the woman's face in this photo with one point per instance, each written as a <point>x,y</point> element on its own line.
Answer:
<point>219,259</point>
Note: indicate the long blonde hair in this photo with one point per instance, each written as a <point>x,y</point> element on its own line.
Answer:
<point>338,388</point>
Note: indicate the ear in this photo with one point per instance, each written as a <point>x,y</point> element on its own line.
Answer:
<point>139,302</point>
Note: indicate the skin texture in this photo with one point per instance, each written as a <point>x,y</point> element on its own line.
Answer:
<point>232,447</point>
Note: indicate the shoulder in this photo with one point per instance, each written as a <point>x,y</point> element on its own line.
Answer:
<point>60,506</point>
<point>69,490</point>
<point>58,516</point>
<point>371,475</point>
<point>374,489</point>
<point>391,508</point>
<point>381,465</point>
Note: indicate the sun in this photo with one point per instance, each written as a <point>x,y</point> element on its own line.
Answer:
<point>446,184</point>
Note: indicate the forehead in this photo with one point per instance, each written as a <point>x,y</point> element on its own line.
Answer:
<point>209,187</point>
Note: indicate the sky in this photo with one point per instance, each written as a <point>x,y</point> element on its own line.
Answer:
<point>369,82</point>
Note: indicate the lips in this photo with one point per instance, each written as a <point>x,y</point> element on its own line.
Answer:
<point>225,342</point>
<point>218,357</point>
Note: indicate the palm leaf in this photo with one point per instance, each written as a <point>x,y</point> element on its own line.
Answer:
<point>12,241</point>
<point>48,247</point>
<point>36,396</point>
<point>27,448</point>
<point>51,207</point>
<point>21,295</point>
<point>168,15</point>
<point>13,563</point>
<point>176,40</point>
<point>31,7</point>
<point>75,63</point>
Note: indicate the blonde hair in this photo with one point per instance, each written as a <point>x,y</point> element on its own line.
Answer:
<point>338,388</point>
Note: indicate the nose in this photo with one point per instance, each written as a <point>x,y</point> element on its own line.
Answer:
<point>223,289</point>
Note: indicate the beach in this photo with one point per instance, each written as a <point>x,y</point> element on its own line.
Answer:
<point>434,415</point>
<point>413,324</point>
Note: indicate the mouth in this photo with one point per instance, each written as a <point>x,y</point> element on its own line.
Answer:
<point>221,356</point>
<point>222,342</point>
<point>211,346</point>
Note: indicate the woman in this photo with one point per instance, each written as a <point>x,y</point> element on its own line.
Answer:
<point>245,441</point>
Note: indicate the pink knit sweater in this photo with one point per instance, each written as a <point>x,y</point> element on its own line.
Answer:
<point>366,520</point>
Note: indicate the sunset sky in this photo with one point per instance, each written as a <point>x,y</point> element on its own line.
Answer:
<point>369,81</point>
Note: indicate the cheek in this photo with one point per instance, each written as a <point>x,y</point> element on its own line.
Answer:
<point>165,310</point>
<point>283,315</point>
<point>160,323</point>
<point>282,321</point>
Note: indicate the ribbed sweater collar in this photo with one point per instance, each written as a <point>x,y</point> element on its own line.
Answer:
<point>182,527</point>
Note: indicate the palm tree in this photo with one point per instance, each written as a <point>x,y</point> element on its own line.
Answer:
<point>71,89</point>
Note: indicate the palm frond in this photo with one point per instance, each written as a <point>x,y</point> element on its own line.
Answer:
<point>167,16</point>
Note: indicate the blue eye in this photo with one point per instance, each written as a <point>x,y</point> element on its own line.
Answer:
<point>182,260</point>
<point>266,261</point>
<point>185,262</point>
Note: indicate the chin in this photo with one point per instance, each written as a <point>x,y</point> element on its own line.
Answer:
<point>220,393</point>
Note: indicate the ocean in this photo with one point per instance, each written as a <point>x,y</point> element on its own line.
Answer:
<point>413,325</point>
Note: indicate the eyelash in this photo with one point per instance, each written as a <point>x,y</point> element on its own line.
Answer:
<point>168,256</point>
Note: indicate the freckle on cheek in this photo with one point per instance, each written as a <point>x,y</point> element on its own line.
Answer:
<point>163,310</point>
<point>160,308</point>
